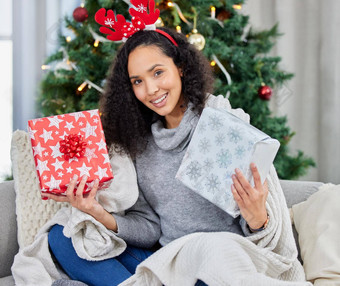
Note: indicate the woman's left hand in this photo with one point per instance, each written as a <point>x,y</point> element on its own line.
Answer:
<point>251,200</point>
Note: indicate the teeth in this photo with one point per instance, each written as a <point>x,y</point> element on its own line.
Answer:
<point>159,100</point>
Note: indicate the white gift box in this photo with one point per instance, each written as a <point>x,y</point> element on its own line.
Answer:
<point>222,142</point>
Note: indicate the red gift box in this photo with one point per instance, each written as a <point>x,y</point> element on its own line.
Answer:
<point>67,145</point>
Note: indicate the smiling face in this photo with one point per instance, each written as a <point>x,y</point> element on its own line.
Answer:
<point>156,82</point>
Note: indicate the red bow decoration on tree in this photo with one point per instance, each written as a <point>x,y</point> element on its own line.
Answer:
<point>122,29</point>
<point>72,146</point>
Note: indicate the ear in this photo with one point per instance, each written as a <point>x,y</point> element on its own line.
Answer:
<point>180,71</point>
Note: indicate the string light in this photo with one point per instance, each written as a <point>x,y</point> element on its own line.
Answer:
<point>213,63</point>
<point>178,29</point>
<point>237,6</point>
<point>68,39</point>
<point>170,4</point>
<point>45,67</point>
<point>213,12</point>
<point>96,43</point>
<point>82,86</point>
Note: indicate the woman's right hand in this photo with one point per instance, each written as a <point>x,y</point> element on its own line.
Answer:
<point>87,202</point>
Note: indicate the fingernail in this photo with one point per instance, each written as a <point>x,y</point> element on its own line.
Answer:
<point>252,165</point>
<point>75,177</point>
<point>233,176</point>
<point>84,178</point>
<point>237,170</point>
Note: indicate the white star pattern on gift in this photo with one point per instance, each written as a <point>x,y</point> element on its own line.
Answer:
<point>37,150</point>
<point>90,154</point>
<point>54,121</point>
<point>42,166</point>
<point>58,165</point>
<point>84,170</point>
<point>89,130</point>
<point>93,112</point>
<point>31,132</point>
<point>47,135</point>
<point>53,184</point>
<point>101,173</point>
<point>62,137</point>
<point>106,158</point>
<point>53,169</point>
<point>77,115</point>
<point>69,125</point>
<point>56,151</point>
<point>101,145</point>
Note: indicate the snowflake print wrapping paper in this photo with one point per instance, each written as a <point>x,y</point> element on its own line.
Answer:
<point>222,142</point>
<point>53,169</point>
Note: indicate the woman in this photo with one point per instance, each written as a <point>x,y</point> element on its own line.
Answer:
<point>155,93</point>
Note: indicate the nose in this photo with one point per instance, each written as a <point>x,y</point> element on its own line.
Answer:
<point>151,87</point>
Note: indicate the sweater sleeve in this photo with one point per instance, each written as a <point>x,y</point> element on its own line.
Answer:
<point>140,225</point>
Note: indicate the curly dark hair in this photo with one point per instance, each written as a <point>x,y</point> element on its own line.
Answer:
<point>126,121</point>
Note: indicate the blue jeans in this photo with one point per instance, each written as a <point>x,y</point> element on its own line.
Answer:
<point>105,272</point>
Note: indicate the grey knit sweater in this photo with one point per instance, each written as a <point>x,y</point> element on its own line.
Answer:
<point>166,209</point>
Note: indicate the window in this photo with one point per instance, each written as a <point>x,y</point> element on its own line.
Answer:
<point>6,87</point>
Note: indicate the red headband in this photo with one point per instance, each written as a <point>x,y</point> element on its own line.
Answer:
<point>141,20</point>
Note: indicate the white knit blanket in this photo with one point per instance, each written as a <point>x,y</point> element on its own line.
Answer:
<point>33,265</point>
<point>268,257</point>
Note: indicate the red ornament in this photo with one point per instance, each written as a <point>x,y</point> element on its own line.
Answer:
<point>72,146</point>
<point>80,14</point>
<point>265,92</point>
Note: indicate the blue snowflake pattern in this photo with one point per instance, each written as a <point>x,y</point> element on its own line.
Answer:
<point>220,139</point>
<point>212,183</point>
<point>240,151</point>
<point>204,145</point>
<point>215,122</point>
<point>194,170</point>
<point>250,145</point>
<point>224,158</point>
<point>234,135</point>
<point>208,164</point>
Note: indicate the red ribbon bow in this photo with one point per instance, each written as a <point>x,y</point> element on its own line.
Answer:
<point>72,146</point>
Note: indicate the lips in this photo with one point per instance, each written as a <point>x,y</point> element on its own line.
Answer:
<point>160,101</point>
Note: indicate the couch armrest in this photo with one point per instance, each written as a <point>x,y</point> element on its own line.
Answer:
<point>298,191</point>
<point>8,228</point>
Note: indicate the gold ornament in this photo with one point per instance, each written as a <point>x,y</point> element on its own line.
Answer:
<point>197,40</point>
<point>159,22</point>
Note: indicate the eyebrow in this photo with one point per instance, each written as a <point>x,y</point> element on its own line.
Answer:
<point>149,70</point>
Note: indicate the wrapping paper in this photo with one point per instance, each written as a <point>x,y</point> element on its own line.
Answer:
<point>54,169</point>
<point>222,142</point>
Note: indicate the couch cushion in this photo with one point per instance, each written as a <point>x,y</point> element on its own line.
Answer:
<point>8,230</point>
<point>7,281</point>
<point>298,191</point>
<point>317,223</point>
<point>32,212</point>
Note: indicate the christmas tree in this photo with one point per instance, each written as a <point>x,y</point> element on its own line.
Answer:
<point>244,72</point>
